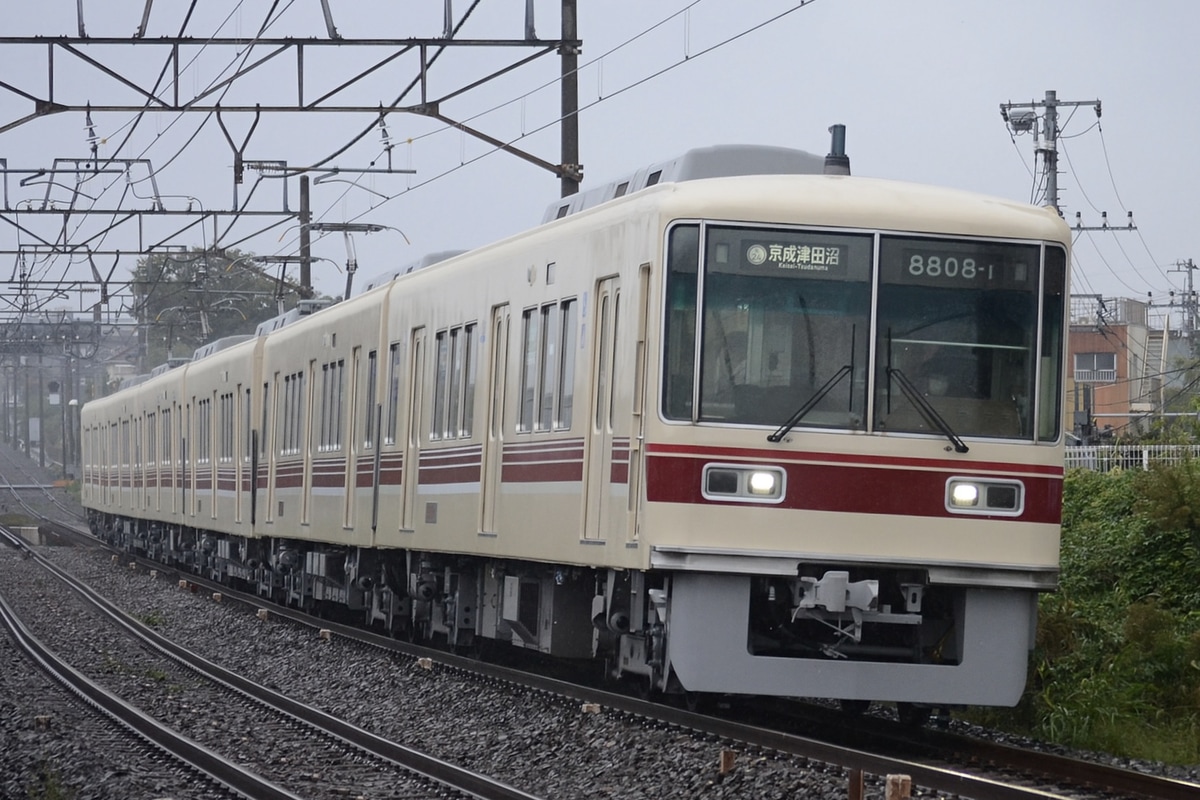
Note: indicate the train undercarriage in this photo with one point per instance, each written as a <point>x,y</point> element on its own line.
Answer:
<point>857,634</point>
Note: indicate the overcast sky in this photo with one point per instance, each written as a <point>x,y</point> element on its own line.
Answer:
<point>918,84</point>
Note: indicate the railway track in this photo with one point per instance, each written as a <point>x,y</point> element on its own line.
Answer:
<point>935,761</point>
<point>351,756</point>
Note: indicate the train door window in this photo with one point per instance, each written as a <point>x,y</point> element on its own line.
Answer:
<point>264,446</point>
<point>393,393</point>
<point>369,401</point>
<point>602,368</point>
<point>247,428</point>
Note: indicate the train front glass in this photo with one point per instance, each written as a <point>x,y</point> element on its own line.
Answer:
<point>786,325</point>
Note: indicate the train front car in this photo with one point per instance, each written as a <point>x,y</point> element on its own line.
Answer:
<point>854,476</point>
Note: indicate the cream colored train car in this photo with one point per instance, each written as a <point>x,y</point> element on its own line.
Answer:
<point>767,434</point>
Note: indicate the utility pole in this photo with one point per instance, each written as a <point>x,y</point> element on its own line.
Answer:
<point>1189,297</point>
<point>1022,118</point>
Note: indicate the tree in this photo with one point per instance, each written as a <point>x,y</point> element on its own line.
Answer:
<point>186,300</point>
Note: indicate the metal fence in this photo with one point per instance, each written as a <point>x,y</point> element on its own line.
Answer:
<point>1103,458</point>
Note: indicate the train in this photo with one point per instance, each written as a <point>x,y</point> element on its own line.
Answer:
<point>739,423</point>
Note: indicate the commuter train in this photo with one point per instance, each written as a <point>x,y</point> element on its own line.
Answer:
<point>741,423</point>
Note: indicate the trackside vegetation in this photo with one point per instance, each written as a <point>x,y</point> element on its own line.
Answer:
<point>1116,667</point>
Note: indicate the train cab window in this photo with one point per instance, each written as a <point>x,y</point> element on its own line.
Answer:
<point>956,337</point>
<point>783,325</point>
<point>1050,390</point>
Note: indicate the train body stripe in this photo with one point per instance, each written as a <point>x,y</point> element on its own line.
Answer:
<point>767,455</point>
<point>852,489</point>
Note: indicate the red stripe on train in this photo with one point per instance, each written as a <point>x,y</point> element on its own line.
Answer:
<point>851,489</point>
<point>769,455</point>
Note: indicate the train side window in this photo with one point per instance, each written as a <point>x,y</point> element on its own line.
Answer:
<point>467,427</point>
<point>332,393</point>
<point>151,439</point>
<point>548,367</point>
<point>442,367</point>
<point>548,358</point>
<point>679,351</point>
<point>530,319</point>
<point>226,452</point>
<point>566,372</point>
<point>166,436</point>
<point>203,430</point>
<point>454,384</point>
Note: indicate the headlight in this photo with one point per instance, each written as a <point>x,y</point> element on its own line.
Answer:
<point>762,483</point>
<point>964,495</point>
<point>985,496</point>
<point>743,483</point>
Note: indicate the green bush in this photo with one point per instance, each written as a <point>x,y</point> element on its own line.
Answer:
<point>1116,666</point>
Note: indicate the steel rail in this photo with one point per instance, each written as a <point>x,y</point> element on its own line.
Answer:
<point>442,772</point>
<point>179,747</point>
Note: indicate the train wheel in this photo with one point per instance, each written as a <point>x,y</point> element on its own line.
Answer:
<point>646,688</point>
<point>699,702</point>
<point>912,714</point>
<point>855,708</point>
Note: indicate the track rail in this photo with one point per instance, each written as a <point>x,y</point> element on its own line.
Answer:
<point>453,780</point>
<point>926,762</point>
<point>187,752</point>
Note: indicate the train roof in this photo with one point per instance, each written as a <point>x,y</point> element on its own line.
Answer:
<point>220,344</point>
<point>303,309</point>
<point>718,161</point>
<point>427,260</point>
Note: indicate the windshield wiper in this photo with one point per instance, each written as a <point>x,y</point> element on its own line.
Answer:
<point>926,408</point>
<point>809,404</point>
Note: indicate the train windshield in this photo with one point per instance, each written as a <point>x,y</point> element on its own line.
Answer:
<point>785,325</point>
<point>956,337</point>
<point>776,330</point>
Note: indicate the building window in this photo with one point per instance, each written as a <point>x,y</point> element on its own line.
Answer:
<point>1095,367</point>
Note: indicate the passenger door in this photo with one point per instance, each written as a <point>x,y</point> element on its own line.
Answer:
<point>603,520</point>
<point>411,475</point>
<point>493,439</point>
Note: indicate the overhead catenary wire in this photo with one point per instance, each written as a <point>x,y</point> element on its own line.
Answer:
<point>584,107</point>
